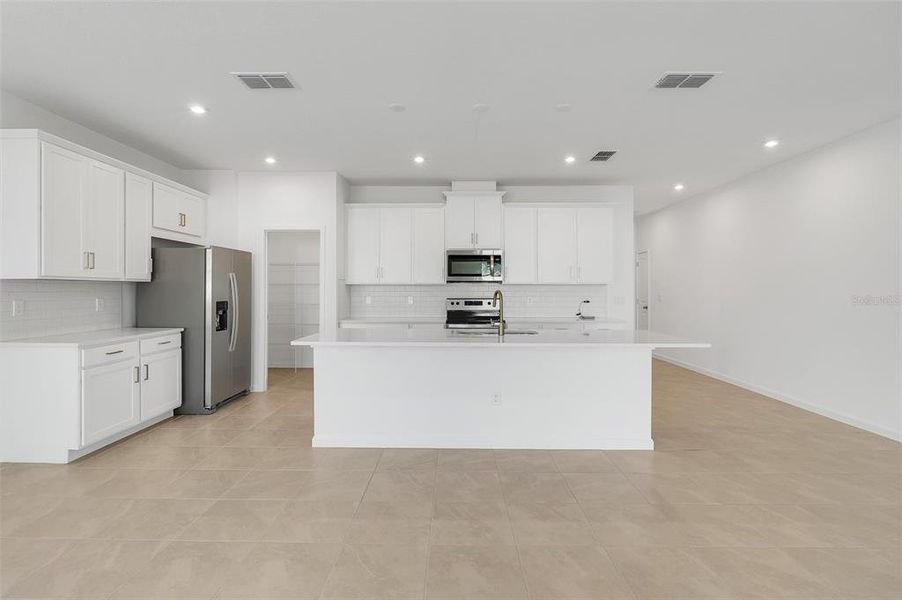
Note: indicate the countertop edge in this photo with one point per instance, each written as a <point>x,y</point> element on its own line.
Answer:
<point>100,341</point>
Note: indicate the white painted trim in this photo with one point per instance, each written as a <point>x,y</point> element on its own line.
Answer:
<point>321,230</point>
<point>787,399</point>
<point>416,441</point>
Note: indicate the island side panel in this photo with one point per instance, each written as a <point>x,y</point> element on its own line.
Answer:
<point>503,397</point>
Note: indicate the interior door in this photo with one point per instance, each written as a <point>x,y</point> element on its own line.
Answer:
<point>595,245</point>
<point>459,232</point>
<point>556,244</point>
<point>363,245</point>
<point>395,245</point>
<point>63,176</point>
<point>241,350</point>
<point>642,290</point>
<point>519,245</point>
<point>105,202</point>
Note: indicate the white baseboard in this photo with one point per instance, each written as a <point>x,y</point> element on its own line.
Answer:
<point>787,399</point>
<point>414,441</point>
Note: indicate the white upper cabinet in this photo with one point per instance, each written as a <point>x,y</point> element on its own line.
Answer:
<point>556,245</point>
<point>595,247</point>
<point>570,244</point>
<point>104,219</point>
<point>473,220</point>
<point>65,214</point>
<point>395,244</point>
<point>63,204</point>
<point>138,214</point>
<point>178,211</point>
<point>429,245</point>
<point>363,244</point>
<point>519,245</point>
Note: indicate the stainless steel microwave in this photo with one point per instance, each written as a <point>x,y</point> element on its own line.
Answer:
<point>474,265</point>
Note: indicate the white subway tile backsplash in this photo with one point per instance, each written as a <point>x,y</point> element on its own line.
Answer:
<point>54,307</point>
<point>520,301</point>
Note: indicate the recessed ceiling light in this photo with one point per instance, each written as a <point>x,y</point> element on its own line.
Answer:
<point>562,107</point>
<point>197,109</point>
<point>395,107</point>
<point>270,160</point>
<point>419,159</point>
<point>570,159</point>
<point>679,187</point>
<point>771,143</point>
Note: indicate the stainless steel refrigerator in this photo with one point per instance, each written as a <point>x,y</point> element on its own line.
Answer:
<point>208,292</point>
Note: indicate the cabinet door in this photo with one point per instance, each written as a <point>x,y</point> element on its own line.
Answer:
<point>556,243</point>
<point>161,383</point>
<point>110,400</point>
<point>429,245</point>
<point>105,220</point>
<point>487,219</point>
<point>63,175</point>
<point>459,221</point>
<point>396,244</point>
<point>363,245</point>
<point>166,207</point>
<point>138,207</point>
<point>194,209</point>
<point>595,229</point>
<point>519,245</point>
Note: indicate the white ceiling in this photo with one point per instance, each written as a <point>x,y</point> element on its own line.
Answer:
<point>806,73</point>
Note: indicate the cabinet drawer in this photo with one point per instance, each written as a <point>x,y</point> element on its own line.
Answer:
<point>102,355</point>
<point>158,344</point>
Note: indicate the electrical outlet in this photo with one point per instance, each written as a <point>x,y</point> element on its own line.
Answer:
<point>496,399</point>
<point>367,299</point>
<point>530,300</point>
<point>410,300</point>
<point>98,304</point>
<point>18,307</point>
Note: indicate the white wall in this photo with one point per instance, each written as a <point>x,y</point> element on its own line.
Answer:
<point>18,113</point>
<point>768,269</point>
<point>280,201</point>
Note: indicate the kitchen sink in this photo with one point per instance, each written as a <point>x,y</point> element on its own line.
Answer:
<point>495,332</point>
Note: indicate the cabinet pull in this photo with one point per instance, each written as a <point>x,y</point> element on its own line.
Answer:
<point>472,241</point>
<point>91,257</point>
<point>87,260</point>
<point>166,342</point>
<point>115,352</point>
<point>477,238</point>
<point>146,371</point>
<point>137,374</point>
<point>182,219</point>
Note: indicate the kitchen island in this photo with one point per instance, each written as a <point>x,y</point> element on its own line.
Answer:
<point>436,388</point>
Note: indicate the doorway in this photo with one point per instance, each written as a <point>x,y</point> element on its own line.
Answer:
<point>643,290</point>
<point>292,296</point>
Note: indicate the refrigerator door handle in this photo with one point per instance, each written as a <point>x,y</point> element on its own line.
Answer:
<point>233,288</point>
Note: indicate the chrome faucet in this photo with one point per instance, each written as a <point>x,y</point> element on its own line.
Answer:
<point>498,301</point>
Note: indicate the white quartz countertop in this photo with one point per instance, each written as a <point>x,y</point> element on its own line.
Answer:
<point>95,338</point>
<point>401,336</point>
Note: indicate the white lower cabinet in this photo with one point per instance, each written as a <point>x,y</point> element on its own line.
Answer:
<point>161,383</point>
<point>64,398</point>
<point>109,400</point>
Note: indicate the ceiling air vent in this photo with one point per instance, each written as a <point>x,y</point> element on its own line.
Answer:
<point>684,80</point>
<point>265,81</point>
<point>603,155</point>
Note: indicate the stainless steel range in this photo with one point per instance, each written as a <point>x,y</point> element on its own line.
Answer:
<point>471,313</point>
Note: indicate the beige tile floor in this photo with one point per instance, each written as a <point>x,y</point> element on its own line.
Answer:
<point>744,498</point>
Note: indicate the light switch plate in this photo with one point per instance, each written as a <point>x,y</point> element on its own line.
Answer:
<point>367,299</point>
<point>18,307</point>
<point>410,300</point>
<point>98,304</point>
